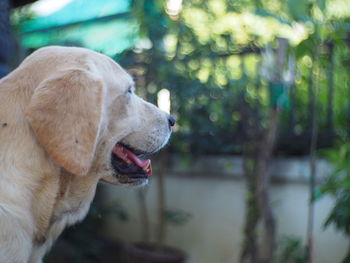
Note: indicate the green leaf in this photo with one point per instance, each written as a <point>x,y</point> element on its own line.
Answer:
<point>278,95</point>
<point>321,4</point>
<point>305,47</point>
<point>176,216</point>
<point>297,8</point>
<point>264,13</point>
<point>318,194</point>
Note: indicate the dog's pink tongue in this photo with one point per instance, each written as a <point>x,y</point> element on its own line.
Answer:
<point>129,157</point>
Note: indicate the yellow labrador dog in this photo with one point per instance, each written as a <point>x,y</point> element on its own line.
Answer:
<point>69,118</point>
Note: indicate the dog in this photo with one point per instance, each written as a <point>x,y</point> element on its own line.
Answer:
<point>69,118</point>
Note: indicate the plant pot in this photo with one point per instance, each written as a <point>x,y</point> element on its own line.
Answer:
<point>100,249</point>
<point>150,253</point>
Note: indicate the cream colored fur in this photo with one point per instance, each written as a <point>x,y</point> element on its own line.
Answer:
<point>61,113</point>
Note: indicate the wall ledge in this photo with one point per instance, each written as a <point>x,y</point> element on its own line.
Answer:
<point>293,169</point>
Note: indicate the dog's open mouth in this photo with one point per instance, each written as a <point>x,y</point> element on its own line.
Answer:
<point>127,161</point>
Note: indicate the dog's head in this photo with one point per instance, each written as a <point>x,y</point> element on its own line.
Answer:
<point>90,121</point>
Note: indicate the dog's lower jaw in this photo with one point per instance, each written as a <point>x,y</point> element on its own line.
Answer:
<point>124,180</point>
<point>136,183</point>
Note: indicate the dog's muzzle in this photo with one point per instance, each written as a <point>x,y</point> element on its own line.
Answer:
<point>127,161</point>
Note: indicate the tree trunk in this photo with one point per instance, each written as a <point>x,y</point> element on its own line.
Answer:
<point>250,250</point>
<point>311,95</point>
<point>256,159</point>
<point>313,147</point>
<point>263,186</point>
<point>257,154</point>
<point>330,77</point>
<point>251,130</point>
<point>262,163</point>
<point>292,94</point>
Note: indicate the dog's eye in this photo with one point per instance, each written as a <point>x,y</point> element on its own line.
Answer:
<point>130,90</point>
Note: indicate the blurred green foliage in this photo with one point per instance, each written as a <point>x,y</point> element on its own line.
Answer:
<point>291,250</point>
<point>212,57</point>
<point>338,186</point>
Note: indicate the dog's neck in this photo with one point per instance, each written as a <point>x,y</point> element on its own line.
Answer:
<point>69,206</point>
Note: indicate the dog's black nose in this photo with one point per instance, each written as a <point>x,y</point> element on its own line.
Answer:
<point>171,120</point>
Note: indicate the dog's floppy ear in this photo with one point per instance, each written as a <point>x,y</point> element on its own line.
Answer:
<point>65,113</point>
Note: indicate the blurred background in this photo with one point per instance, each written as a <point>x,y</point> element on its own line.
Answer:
<point>258,168</point>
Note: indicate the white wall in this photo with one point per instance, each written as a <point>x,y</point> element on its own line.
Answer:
<point>214,233</point>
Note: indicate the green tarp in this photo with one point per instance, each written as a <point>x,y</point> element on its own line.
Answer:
<point>105,26</point>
